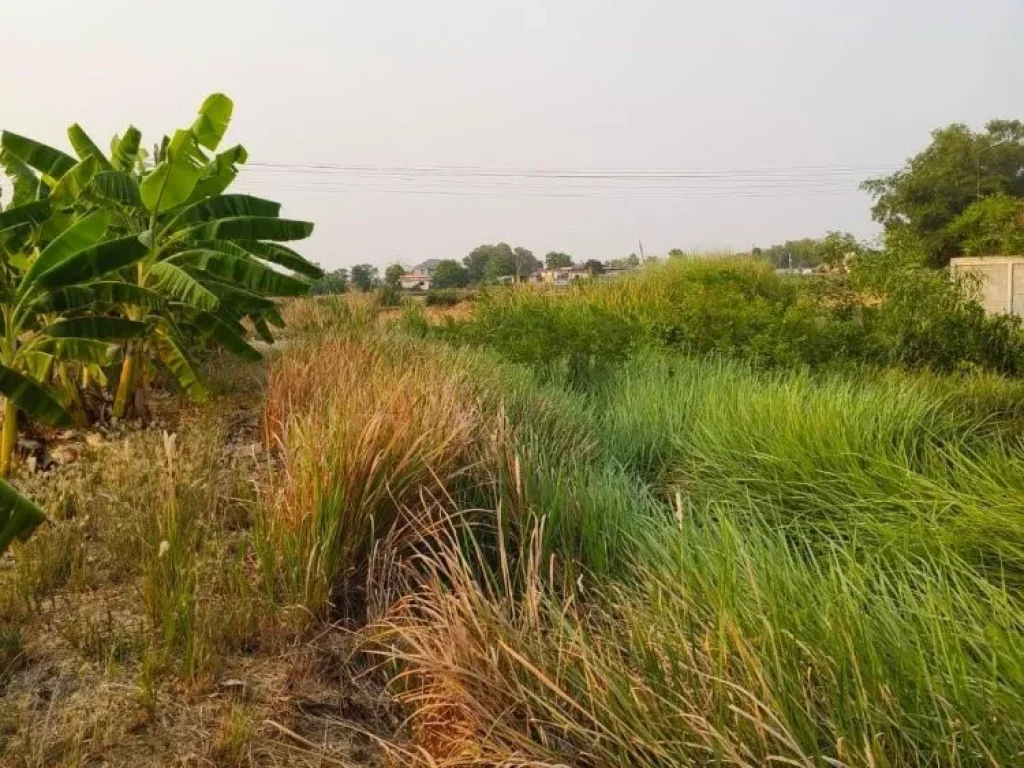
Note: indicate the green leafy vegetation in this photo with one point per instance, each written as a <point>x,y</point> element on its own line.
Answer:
<point>929,195</point>
<point>887,311</point>
<point>129,265</point>
<point>700,513</point>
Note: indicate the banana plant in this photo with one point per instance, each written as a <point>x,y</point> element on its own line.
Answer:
<point>53,284</point>
<point>215,259</point>
<point>18,516</point>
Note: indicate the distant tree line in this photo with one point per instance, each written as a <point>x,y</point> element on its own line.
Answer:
<point>832,250</point>
<point>962,195</point>
<point>484,264</point>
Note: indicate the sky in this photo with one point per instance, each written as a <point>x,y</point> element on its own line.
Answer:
<point>412,130</point>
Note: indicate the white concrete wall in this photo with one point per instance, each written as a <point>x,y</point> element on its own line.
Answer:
<point>1002,286</point>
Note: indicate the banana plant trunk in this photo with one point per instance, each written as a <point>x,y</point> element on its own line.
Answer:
<point>77,403</point>
<point>9,437</point>
<point>126,385</point>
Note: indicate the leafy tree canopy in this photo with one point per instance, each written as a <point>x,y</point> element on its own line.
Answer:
<point>489,262</point>
<point>332,282</point>
<point>450,274</point>
<point>833,249</point>
<point>937,185</point>
<point>393,275</point>
<point>557,260</point>
<point>993,225</point>
<point>627,263</point>
<point>363,277</point>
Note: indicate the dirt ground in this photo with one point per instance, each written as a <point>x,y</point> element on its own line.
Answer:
<point>97,670</point>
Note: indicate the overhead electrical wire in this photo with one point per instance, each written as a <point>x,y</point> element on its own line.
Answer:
<point>553,182</point>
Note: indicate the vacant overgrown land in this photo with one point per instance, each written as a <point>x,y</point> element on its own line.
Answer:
<point>698,515</point>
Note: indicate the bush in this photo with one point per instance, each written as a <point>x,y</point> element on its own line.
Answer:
<point>888,311</point>
<point>923,319</point>
<point>557,338</point>
<point>442,297</point>
<point>389,295</point>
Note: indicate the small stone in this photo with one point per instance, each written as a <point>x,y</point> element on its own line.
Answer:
<point>94,439</point>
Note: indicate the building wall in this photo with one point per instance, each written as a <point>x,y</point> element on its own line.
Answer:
<point>1002,281</point>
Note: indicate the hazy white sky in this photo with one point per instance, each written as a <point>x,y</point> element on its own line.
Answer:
<point>568,84</point>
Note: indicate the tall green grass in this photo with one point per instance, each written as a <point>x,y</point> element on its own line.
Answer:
<point>728,645</point>
<point>683,562</point>
<point>892,462</point>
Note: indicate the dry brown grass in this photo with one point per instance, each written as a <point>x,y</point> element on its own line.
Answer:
<point>134,627</point>
<point>363,429</point>
<point>545,676</point>
<point>313,314</point>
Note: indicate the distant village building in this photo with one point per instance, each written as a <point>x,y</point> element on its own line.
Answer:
<point>428,268</point>
<point>562,276</point>
<point>1001,281</point>
<point>415,281</point>
<point>420,277</point>
<point>569,275</point>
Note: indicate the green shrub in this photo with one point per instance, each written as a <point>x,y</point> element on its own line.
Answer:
<point>389,295</point>
<point>560,339</point>
<point>888,312</point>
<point>442,297</point>
<point>924,319</point>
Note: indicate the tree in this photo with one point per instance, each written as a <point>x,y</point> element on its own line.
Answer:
<point>837,248</point>
<point>525,263</point>
<point>937,185</point>
<point>490,262</point>
<point>450,274</point>
<point>364,277</point>
<point>332,282</point>
<point>833,250</point>
<point>992,226</point>
<point>798,254</point>
<point>393,275</point>
<point>558,260</point>
<point>594,267</point>
<point>629,262</point>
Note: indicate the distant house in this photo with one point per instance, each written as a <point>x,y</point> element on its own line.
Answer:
<point>1001,281</point>
<point>559,276</point>
<point>428,268</point>
<point>417,280</point>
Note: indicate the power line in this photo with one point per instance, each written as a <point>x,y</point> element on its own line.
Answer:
<point>533,192</point>
<point>561,182</point>
<point>668,174</point>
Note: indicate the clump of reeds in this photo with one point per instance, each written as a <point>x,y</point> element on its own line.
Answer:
<point>724,647</point>
<point>362,430</point>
